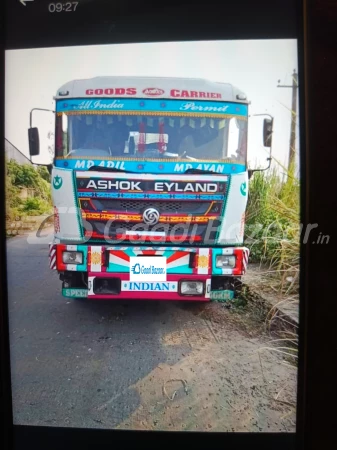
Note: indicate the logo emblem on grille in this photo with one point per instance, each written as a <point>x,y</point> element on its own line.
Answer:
<point>151,216</point>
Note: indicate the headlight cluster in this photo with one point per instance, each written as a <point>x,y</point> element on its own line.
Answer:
<point>224,261</point>
<point>72,257</point>
<point>192,288</point>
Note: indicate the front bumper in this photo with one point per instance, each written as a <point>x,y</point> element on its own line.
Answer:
<point>105,272</point>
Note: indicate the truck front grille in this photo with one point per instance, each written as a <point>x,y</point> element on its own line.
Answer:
<point>115,230</point>
<point>122,227</point>
<point>137,206</point>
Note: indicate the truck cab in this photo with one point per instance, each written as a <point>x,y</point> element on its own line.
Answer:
<point>149,174</point>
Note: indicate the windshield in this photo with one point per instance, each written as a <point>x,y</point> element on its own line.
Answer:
<point>150,136</point>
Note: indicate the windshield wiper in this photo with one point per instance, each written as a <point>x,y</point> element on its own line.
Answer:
<point>198,171</point>
<point>108,169</point>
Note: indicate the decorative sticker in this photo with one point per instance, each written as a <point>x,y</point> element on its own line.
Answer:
<point>203,261</point>
<point>151,166</point>
<point>57,182</point>
<point>96,258</point>
<point>152,107</point>
<point>56,220</point>
<point>243,189</point>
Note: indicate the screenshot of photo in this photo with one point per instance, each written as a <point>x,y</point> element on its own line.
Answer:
<point>153,229</point>
<point>176,182</point>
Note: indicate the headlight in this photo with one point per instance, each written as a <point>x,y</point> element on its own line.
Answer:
<point>72,257</point>
<point>224,261</point>
<point>192,288</point>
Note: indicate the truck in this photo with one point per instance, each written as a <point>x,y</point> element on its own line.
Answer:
<point>149,186</point>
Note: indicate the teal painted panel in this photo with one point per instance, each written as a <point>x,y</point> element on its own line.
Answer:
<point>83,267</point>
<point>222,296</point>
<point>181,269</point>
<point>113,267</point>
<point>75,293</point>
<point>215,252</point>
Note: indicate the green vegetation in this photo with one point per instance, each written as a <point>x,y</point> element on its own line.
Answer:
<point>36,181</point>
<point>273,225</point>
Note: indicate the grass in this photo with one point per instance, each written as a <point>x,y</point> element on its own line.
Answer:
<point>273,236</point>
<point>273,227</point>
<point>19,177</point>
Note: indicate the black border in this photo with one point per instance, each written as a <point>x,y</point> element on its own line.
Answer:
<point>317,60</point>
<point>50,438</point>
<point>316,415</point>
<point>6,417</point>
<point>128,21</point>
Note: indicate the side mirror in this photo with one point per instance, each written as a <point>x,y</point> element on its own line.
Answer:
<point>34,141</point>
<point>267,132</point>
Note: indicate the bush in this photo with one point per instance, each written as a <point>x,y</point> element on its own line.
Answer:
<point>44,174</point>
<point>273,222</point>
<point>26,176</point>
<point>22,175</point>
<point>34,206</point>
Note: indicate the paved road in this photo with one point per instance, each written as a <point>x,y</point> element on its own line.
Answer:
<point>144,365</point>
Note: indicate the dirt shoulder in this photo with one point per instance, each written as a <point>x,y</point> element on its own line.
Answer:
<point>229,379</point>
<point>282,308</point>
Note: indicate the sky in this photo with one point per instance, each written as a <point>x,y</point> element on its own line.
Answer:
<point>33,76</point>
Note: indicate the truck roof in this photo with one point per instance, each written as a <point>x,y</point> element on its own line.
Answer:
<point>151,87</point>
